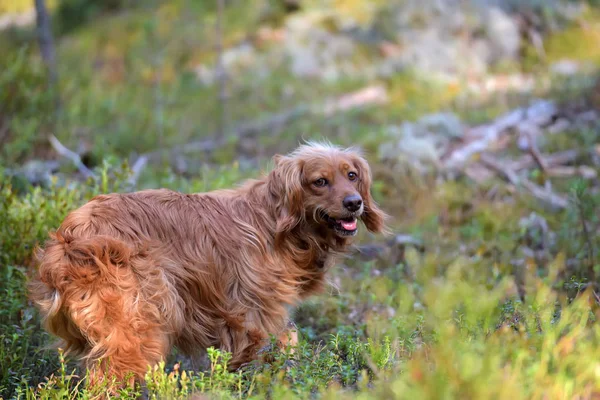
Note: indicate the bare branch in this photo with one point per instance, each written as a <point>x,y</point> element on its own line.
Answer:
<point>483,137</point>
<point>535,154</point>
<point>137,169</point>
<point>71,155</point>
<point>583,171</point>
<point>551,160</point>
<point>540,193</point>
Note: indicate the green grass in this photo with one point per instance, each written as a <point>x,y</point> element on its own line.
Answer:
<point>453,328</point>
<point>456,330</point>
<point>473,316</point>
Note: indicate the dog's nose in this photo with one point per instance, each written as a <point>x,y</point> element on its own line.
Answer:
<point>352,202</point>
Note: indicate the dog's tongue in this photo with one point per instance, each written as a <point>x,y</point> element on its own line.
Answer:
<point>348,225</point>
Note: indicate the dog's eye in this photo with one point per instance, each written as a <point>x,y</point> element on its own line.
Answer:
<point>352,176</point>
<point>320,182</point>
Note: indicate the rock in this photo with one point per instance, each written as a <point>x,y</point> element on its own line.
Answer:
<point>503,34</point>
<point>451,38</point>
<point>478,173</point>
<point>180,165</point>
<point>436,51</point>
<point>527,131</point>
<point>502,83</point>
<point>536,234</point>
<point>447,39</point>
<point>559,126</point>
<point>541,113</point>
<point>39,173</point>
<point>243,56</point>
<point>408,150</point>
<point>18,20</point>
<point>315,52</point>
<point>571,11</point>
<point>303,62</point>
<point>565,67</point>
<point>537,117</point>
<point>370,252</point>
<point>205,75</point>
<point>421,144</point>
<point>446,124</point>
<point>407,240</point>
<point>588,117</point>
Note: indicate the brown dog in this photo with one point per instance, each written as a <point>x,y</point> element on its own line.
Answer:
<point>127,276</point>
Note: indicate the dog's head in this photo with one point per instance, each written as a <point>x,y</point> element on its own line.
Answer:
<point>327,186</point>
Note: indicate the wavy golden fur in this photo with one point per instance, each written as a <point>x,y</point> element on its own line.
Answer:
<point>127,276</point>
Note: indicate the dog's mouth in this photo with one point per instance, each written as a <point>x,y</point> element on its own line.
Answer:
<point>347,226</point>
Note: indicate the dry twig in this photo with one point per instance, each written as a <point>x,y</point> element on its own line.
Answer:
<point>540,193</point>
<point>137,169</point>
<point>536,155</point>
<point>583,171</point>
<point>484,137</point>
<point>550,161</point>
<point>71,155</point>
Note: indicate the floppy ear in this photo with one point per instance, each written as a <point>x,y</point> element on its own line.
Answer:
<point>285,185</point>
<point>373,217</point>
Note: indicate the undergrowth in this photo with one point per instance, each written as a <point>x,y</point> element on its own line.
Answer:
<point>456,329</point>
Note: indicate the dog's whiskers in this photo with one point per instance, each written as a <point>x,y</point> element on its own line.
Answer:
<point>316,211</point>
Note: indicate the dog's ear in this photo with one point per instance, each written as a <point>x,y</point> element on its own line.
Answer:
<point>373,217</point>
<point>285,185</point>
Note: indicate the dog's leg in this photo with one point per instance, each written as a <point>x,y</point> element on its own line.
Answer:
<point>289,338</point>
<point>256,345</point>
<point>243,344</point>
<point>287,343</point>
<point>122,344</point>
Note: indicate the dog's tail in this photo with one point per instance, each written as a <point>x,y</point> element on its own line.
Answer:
<point>96,294</point>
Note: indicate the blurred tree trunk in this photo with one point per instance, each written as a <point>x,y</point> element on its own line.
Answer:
<point>221,72</point>
<point>45,39</point>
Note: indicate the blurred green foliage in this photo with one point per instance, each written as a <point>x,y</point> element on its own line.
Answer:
<point>71,14</point>
<point>26,105</point>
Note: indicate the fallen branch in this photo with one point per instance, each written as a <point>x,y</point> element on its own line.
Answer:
<point>137,169</point>
<point>540,193</point>
<point>536,155</point>
<point>392,251</point>
<point>583,171</point>
<point>551,160</point>
<point>407,240</point>
<point>484,137</point>
<point>71,155</point>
